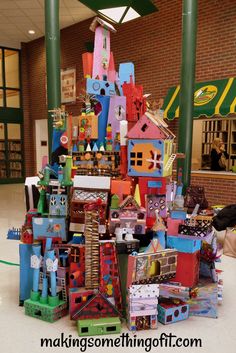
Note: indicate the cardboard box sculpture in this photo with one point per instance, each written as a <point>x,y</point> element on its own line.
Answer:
<point>126,70</point>
<point>104,326</point>
<point>26,272</point>
<point>174,290</point>
<point>96,308</point>
<point>109,273</point>
<point>77,266</point>
<point>77,298</point>
<point>187,271</point>
<point>204,300</point>
<point>49,228</point>
<point>102,48</point>
<point>90,124</point>
<point>45,304</point>
<point>58,205</point>
<point>135,101</point>
<point>82,197</point>
<point>142,306</point>
<point>117,113</point>
<point>105,163</point>
<point>172,310</point>
<point>128,215</point>
<point>150,148</point>
<point>151,268</point>
<point>151,186</point>
<point>103,88</point>
<point>183,243</point>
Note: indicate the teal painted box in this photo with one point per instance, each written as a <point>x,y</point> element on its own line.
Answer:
<point>182,244</point>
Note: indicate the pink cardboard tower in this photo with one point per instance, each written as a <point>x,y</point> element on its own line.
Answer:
<point>102,51</point>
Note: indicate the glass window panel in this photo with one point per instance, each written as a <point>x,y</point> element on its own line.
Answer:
<point>13,98</point>
<point>13,131</point>
<point>12,68</point>
<point>1,97</point>
<point>0,67</point>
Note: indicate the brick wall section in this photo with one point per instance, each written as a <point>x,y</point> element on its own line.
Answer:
<point>217,191</point>
<point>153,43</point>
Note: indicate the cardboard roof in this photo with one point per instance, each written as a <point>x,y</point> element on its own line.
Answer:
<point>87,304</point>
<point>127,200</point>
<point>156,128</point>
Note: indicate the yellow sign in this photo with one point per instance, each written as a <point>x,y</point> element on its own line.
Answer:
<point>204,95</point>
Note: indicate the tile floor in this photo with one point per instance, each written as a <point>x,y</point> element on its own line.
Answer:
<point>21,334</point>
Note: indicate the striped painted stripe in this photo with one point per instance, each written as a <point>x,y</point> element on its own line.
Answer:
<point>232,106</point>
<point>171,101</point>
<point>226,90</point>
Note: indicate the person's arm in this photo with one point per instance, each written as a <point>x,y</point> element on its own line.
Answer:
<point>226,154</point>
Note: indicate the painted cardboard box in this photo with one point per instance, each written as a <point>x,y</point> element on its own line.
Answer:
<point>128,215</point>
<point>183,244</point>
<point>58,205</point>
<point>172,310</point>
<point>172,290</point>
<point>49,228</point>
<point>187,271</point>
<point>151,268</point>
<point>204,300</point>
<point>142,306</point>
<point>103,88</point>
<point>150,148</point>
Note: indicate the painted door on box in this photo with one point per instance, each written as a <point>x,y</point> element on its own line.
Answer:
<point>145,158</point>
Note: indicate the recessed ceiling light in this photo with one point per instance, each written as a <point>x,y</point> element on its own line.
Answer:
<point>31,31</point>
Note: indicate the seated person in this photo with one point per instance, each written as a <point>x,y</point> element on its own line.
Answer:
<point>218,155</point>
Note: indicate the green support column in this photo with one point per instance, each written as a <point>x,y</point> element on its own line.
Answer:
<point>189,38</point>
<point>52,42</point>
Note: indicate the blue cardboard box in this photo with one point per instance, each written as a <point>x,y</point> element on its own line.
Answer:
<point>49,228</point>
<point>26,272</point>
<point>182,244</point>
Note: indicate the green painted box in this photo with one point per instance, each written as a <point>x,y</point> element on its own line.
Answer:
<point>45,312</point>
<point>104,326</point>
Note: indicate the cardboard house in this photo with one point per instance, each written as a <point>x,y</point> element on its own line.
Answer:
<point>151,268</point>
<point>128,215</point>
<point>142,306</point>
<point>150,148</point>
<point>95,308</point>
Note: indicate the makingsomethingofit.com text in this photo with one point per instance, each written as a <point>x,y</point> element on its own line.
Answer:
<point>124,340</point>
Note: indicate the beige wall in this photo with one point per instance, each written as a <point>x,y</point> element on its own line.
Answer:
<point>197,145</point>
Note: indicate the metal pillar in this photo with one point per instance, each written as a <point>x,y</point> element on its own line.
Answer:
<point>189,38</point>
<point>52,42</point>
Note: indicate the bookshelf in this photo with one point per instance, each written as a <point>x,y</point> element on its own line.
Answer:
<point>14,158</point>
<point>11,159</point>
<point>224,129</point>
<point>11,153</point>
<point>3,159</point>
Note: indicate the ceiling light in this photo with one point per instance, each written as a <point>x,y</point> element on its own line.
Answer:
<point>120,11</point>
<point>31,31</point>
